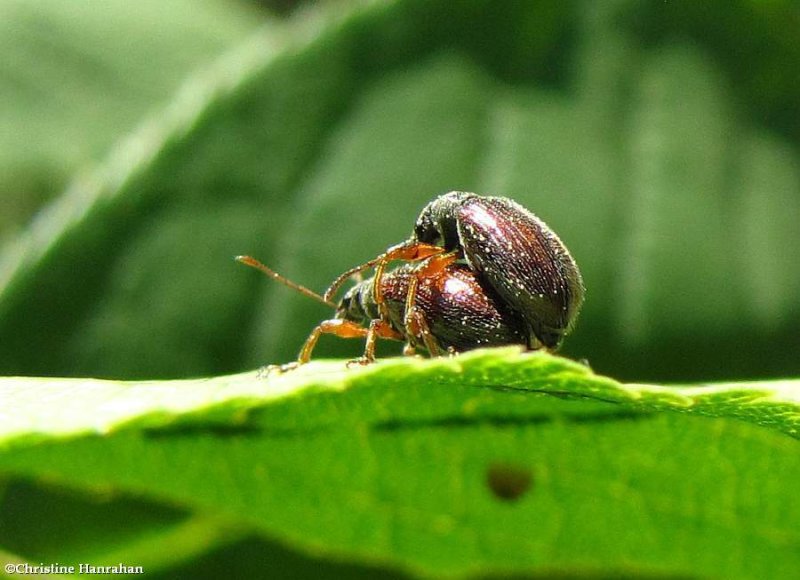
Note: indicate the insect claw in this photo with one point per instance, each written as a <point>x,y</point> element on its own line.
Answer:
<point>266,371</point>
<point>360,361</point>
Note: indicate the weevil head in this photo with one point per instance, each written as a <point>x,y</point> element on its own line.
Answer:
<point>348,307</point>
<point>437,224</point>
<point>357,303</point>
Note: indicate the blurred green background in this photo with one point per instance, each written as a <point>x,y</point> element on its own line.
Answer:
<point>658,139</point>
<point>144,145</point>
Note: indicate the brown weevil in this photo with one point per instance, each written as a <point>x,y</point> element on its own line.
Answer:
<point>515,254</point>
<point>481,271</point>
<point>451,312</point>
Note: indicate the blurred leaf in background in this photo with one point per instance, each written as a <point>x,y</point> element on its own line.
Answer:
<point>75,76</point>
<point>637,147</point>
<point>660,140</point>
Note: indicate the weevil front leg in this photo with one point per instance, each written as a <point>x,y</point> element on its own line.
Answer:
<point>407,251</point>
<point>336,326</point>
<point>342,329</point>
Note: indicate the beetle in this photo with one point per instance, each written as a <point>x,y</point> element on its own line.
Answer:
<point>449,310</point>
<point>481,271</point>
<point>512,252</point>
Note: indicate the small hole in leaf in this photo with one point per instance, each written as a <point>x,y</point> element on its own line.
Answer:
<point>508,482</point>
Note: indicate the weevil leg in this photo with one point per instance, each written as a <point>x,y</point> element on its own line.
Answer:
<point>337,326</point>
<point>418,326</point>
<point>408,251</point>
<point>344,329</point>
<point>377,329</point>
<point>435,264</point>
<point>414,319</point>
<point>266,371</point>
<point>429,268</point>
<point>535,344</point>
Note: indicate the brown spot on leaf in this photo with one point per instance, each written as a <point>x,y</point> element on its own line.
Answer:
<point>508,482</point>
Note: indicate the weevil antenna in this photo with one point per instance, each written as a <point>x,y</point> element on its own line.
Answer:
<point>253,263</point>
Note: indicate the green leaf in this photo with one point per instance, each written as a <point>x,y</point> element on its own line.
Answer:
<point>76,76</point>
<point>475,384</point>
<point>492,461</point>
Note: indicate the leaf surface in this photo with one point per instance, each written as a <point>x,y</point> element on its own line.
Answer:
<point>443,466</point>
